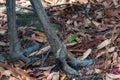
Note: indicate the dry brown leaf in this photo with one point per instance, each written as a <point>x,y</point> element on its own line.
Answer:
<point>75,23</point>
<point>2,2</point>
<point>106,51</point>
<point>108,78</point>
<point>83,1</point>
<point>6,73</point>
<point>18,72</point>
<point>107,63</point>
<point>86,54</point>
<point>99,0</point>
<point>100,54</point>
<point>39,33</point>
<point>38,36</point>
<point>104,44</point>
<point>46,73</point>
<point>2,32</point>
<point>115,55</point>
<point>13,78</point>
<point>28,3</point>
<point>118,40</point>
<point>112,12</point>
<point>115,2</point>
<point>63,76</point>
<point>113,76</point>
<point>3,44</point>
<point>96,24</point>
<point>47,68</point>
<point>45,49</point>
<point>97,70</point>
<point>118,65</point>
<point>56,76</point>
<point>42,78</point>
<point>50,76</point>
<point>69,22</point>
<point>49,1</point>
<point>111,49</point>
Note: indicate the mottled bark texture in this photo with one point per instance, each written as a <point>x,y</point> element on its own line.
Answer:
<point>16,52</point>
<point>58,48</point>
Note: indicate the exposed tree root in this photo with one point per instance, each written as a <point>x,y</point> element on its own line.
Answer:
<point>69,63</point>
<point>77,63</point>
<point>58,48</point>
<point>65,67</point>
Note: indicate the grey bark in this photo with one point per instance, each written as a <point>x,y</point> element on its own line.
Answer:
<point>58,48</point>
<point>52,37</point>
<point>16,51</point>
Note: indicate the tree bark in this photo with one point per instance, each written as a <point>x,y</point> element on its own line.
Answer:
<point>52,37</point>
<point>16,51</point>
<point>58,48</point>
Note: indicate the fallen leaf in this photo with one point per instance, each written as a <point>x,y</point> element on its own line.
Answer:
<point>115,69</point>
<point>75,23</point>
<point>63,76</point>
<point>46,73</point>
<point>41,51</point>
<point>111,12</point>
<point>118,40</point>
<point>96,24</point>
<point>97,70</point>
<point>113,76</point>
<point>50,77</point>
<point>83,1</point>
<point>108,78</point>
<point>7,73</point>
<point>16,71</point>
<point>47,68</point>
<point>104,44</point>
<point>118,65</point>
<point>115,2</point>
<point>2,32</point>
<point>111,49</point>
<point>69,22</point>
<point>3,44</point>
<point>56,76</point>
<point>115,55</point>
<point>2,2</point>
<point>38,36</point>
<point>12,78</point>
<point>85,54</point>
<point>106,51</point>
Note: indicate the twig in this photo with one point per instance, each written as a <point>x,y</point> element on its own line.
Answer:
<point>47,48</point>
<point>44,58</point>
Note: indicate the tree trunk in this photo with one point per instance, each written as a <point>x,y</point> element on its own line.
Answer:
<point>16,51</point>
<point>58,48</point>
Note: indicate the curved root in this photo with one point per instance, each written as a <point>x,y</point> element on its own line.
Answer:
<point>67,68</point>
<point>77,63</point>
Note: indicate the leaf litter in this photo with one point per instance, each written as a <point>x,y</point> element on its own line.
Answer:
<point>98,36</point>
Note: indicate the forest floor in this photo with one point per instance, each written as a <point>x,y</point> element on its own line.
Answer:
<point>89,31</point>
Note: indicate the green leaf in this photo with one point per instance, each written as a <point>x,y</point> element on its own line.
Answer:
<point>72,37</point>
